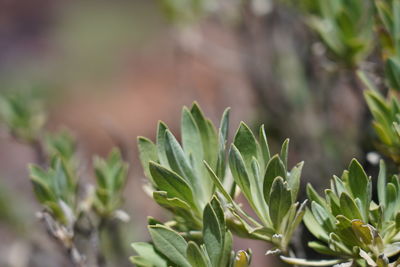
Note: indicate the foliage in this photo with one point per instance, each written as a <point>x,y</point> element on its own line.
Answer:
<point>389,18</point>
<point>23,115</point>
<point>198,180</point>
<point>111,175</point>
<point>178,176</point>
<point>349,224</point>
<point>386,122</point>
<point>56,178</point>
<point>61,144</point>
<point>345,26</point>
<point>56,188</point>
<point>169,248</point>
<point>269,187</point>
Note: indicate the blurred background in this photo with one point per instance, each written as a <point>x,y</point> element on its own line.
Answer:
<point>109,70</point>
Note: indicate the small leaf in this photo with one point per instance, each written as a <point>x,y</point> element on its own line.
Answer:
<point>314,226</point>
<point>148,254</point>
<point>274,169</point>
<point>280,201</point>
<point>359,182</point>
<point>179,161</point>
<point>264,146</point>
<point>322,217</point>
<point>170,244</point>
<point>293,179</point>
<point>147,153</point>
<point>213,237</point>
<point>314,196</point>
<point>208,135</point>
<point>391,197</point>
<point>382,183</point>
<point>321,248</point>
<point>195,256</point>
<point>191,139</point>
<point>172,183</point>
<point>247,144</point>
<point>349,208</point>
<point>239,172</point>
<point>224,126</point>
<point>285,152</point>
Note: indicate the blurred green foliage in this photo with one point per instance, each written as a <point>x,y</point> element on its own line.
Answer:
<point>111,174</point>
<point>345,26</point>
<point>23,115</point>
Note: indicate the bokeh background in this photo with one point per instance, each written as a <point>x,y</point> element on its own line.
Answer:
<point>114,68</point>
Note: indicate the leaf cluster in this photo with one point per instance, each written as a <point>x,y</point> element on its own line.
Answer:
<point>386,114</point>
<point>389,21</point>
<point>349,224</point>
<point>179,179</point>
<point>111,174</point>
<point>270,188</point>
<point>345,26</point>
<point>23,115</point>
<point>170,248</point>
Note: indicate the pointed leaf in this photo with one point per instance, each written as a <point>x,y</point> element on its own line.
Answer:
<point>170,244</point>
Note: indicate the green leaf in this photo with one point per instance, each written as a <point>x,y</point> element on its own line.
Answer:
<point>227,250</point>
<point>314,196</point>
<point>212,232</point>
<point>162,156</point>
<point>256,191</point>
<point>321,248</point>
<point>161,198</point>
<point>224,126</point>
<point>264,146</point>
<point>191,139</point>
<point>280,201</point>
<point>391,198</point>
<point>293,179</point>
<point>170,244</point>
<point>293,221</point>
<point>333,202</point>
<point>147,256</point>
<point>247,144</point>
<point>195,256</point>
<point>382,183</point>
<point>223,137</point>
<point>392,71</point>
<point>274,169</point>
<point>314,226</point>
<point>42,191</point>
<point>218,183</point>
<point>359,183</point>
<point>285,152</point>
<point>147,153</point>
<point>239,171</point>
<point>172,183</point>
<point>338,186</point>
<point>208,135</point>
<point>349,208</point>
<point>178,160</point>
<point>322,217</point>
<point>345,232</point>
